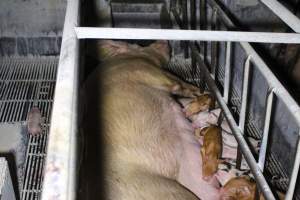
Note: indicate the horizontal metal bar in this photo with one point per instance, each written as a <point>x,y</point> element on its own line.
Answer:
<point>171,34</point>
<point>284,14</point>
<point>264,143</point>
<point>235,129</point>
<point>60,168</point>
<point>294,176</point>
<point>280,91</point>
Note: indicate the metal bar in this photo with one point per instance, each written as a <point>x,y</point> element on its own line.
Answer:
<point>235,130</point>
<point>60,168</point>
<point>227,72</point>
<point>193,14</point>
<point>214,45</point>
<point>171,34</point>
<point>203,23</point>
<point>294,176</point>
<point>185,25</point>
<point>242,119</point>
<point>177,18</point>
<point>244,94</point>
<point>284,14</point>
<point>280,91</point>
<point>264,143</point>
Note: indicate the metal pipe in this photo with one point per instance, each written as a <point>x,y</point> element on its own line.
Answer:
<point>60,169</point>
<point>227,72</point>
<point>203,23</point>
<point>264,143</point>
<point>185,25</point>
<point>193,14</point>
<point>235,130</point>
<point>284,14</point>
<point>294,176</point>
<point>244,94</point>
<point>214,45</point>
<point>239,158</point>
<point>171,34</point>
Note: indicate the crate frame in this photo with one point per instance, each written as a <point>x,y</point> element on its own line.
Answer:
<point>63,132</point>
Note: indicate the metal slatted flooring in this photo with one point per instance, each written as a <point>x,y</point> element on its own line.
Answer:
<point>24,83</point>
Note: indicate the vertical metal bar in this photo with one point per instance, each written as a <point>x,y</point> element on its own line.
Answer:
<point>214,45</point>
<point>244,94</point>
<point>203,21</point>
<point>294,175</point>
<point>61,163</point>
<point>193,14</point>
<point>243,107</point>
<point>185,25</point>
<point>264,143</point>
<point>227,72</point>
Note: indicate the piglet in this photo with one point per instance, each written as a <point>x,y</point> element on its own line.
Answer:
<point>34,120</point>
<point>239,188</point>
<point>243,188</point>
<point>201,103</point>
<point>211,151</point>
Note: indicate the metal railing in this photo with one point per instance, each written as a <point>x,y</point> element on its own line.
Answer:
<point>60,171</point>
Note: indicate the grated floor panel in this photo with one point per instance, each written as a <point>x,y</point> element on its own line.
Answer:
<point>24,83</point>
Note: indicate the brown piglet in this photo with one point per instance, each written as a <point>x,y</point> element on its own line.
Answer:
<point>238,188</point>
<point>211,150</point>
<point>201,103</point>
<point>243,188</point>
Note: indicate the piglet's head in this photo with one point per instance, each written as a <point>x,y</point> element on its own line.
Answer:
<point>238,188</point>
<point>201,103</point>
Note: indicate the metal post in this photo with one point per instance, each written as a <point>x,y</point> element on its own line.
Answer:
<point>243,108</point>
<point>227,72</point>
<point>203,23</point>
<point>214,45</point>
<point>294,175</point>
<point>193,14</point>
<point>263,185</point>
<point>245,94</point>
<point>185,25</point>
<point>60,168</point>
<point>264,143</point>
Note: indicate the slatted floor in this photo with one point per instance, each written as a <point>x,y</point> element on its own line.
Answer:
<point>24,83</point>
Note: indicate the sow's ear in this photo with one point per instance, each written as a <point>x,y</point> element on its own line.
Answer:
<point>162,47</point>
<point>110,48</point>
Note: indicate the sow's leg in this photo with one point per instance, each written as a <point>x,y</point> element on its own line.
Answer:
<point>139,183</point>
